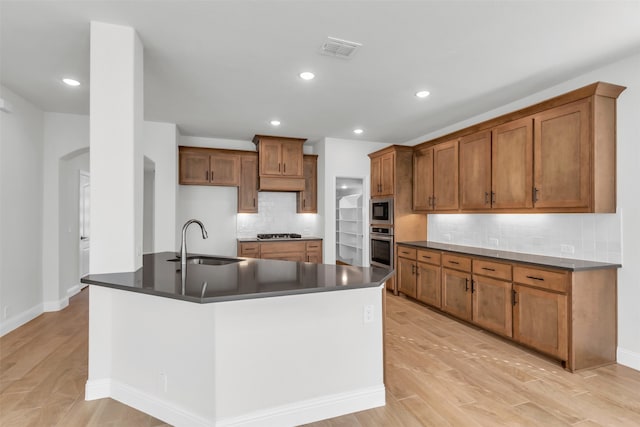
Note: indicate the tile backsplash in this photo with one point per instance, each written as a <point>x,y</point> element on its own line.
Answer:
<point>595,237</point>
<point>277,214</point>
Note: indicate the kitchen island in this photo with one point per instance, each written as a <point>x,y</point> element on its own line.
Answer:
<point>252,342</point>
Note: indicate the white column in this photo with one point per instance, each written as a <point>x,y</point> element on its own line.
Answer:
<point>116,120</point>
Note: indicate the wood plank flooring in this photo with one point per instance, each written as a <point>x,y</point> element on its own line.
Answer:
<point>439,373</point>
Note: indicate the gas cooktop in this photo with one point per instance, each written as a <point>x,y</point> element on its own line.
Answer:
<point>279,236</point>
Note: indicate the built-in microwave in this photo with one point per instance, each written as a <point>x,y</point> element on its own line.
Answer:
<point>381,211</point>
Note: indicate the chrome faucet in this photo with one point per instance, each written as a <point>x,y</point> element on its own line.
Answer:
<point>183,245</point>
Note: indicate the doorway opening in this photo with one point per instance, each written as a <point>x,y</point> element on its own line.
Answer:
<point>350,221</point>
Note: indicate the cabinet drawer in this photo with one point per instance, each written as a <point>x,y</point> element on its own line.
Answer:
<point>456,262</point>
<point>314,245</point>
<point>250,249</point>
<point>430,257</point>
<point>405,252</point>
<point>492,269</point>
<point>552,280</point>
<point>279,247</point>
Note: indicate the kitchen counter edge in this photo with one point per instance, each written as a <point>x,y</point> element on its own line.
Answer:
<point>291,239</point>
<point>524,258</point>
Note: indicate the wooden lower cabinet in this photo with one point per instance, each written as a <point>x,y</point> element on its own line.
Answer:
<point>540,320</point>
<point>492,304</point>
<point>456,293</point>
<point>568,315</point>
<point>301,251</point>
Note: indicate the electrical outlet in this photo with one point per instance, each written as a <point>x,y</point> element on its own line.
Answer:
<point>567,249</point>
<point>493,242</point>
<point>368,314</point>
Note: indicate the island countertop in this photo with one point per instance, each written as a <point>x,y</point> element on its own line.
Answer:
<point>247,279</point>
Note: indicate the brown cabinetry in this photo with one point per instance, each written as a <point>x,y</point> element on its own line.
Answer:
<point>436,177</point>
<point>382,174</point>
<point>207,166</point>
<point>280,163</point>
<point>569,315</point>
<point>300,251</point>
<point>248,188</point>
<point>475,171</point>
<point>307,200</point>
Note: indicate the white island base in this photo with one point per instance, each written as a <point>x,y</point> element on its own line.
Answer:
<point>277,361</point>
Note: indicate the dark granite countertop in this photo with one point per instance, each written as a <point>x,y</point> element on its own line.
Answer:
<point>247,279</point>
<point>539,260</point>
<point>255,239</point>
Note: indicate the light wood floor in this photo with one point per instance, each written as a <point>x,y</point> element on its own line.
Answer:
<point>439,372</point>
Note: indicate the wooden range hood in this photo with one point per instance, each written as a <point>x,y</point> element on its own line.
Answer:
<point>280,163</point>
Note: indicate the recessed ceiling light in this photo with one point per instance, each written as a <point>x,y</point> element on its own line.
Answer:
<point>358,131</point>
<point>71,82</point>
<point>344,186</point>
<point>307,75</point>
<point>275,122</point>
<point>422,94</point>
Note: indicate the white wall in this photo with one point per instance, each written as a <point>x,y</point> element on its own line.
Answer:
<point>21,215</point>
<point>348,159</point>
<point>627,73</point>
<point>217,208</point>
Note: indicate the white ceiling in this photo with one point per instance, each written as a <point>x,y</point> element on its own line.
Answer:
<point>225,68</point>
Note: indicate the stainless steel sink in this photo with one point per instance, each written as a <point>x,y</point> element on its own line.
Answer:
<point>207,260</point>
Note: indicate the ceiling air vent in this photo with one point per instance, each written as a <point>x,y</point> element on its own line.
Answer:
<point>339,48</point>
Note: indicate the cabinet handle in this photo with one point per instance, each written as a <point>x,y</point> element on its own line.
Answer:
<point>535,194</point>
<point>535,278</point>
<point>429,202</point>
<point>486,198</point>
<point>454,262</point>
<point>493,198</point>
<point>433,202</point>
<point>417,271</point>
<point>413,269</point>
<point>514,297</point>
<point>254,202</point>
<point>278,167</point>
<point>426,257</point>
<point>285,168</point>
<point>466,285</point>
<point>206,175</point>
<point>304,203</point>
<point>473,286</point>
<point>488,269</point>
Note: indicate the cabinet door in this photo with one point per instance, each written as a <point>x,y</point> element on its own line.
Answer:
<point>540,320</point>
<point>492,304</point>
<point>285,256</point>
<point>512,164</point>
<point>456,293</point>
<point>292,163</point>
<point>314,251</point>
<point>387,174</point>
<point>194,168</point>
<point>307,200</point>
<point>407,277</point>
<point>248,189</point>
<point>445,176</point>
<point>562,157</point>
<point>270,157</point>
<point>475,171</point>
<point>428,289</point>
<point>376,187</point>
<point>224,169</point>
<point>423,179</point>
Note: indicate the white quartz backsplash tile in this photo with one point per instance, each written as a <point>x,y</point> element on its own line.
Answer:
<point>277,214</point>
<point>595,237</point>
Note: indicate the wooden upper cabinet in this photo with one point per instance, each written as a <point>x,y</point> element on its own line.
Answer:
<point>423,179</point>
<point>435,177</point>
<point>382,175</point>
<point>279,156</point>
<point>475,171</point>
<point>248,189</point>
<point>209,166</point>
<point>307,200</point>
<point>562,157</point>
<point>445,176</point>
<point>512,165</point>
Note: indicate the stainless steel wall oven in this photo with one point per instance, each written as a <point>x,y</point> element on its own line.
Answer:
<point>381,246</point>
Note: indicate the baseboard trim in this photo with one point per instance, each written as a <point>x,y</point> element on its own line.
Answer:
<point>629,358</point>
<point>287,415</point>
<point>14,322</point>
<point>56,305</point>
<point>74,290</point>
<point>311,410</point>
